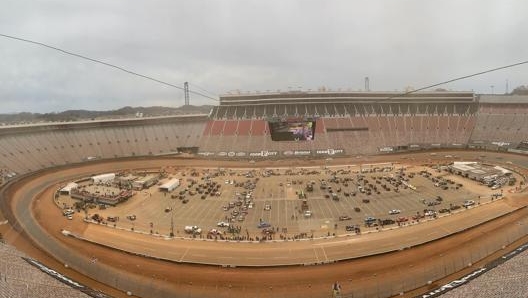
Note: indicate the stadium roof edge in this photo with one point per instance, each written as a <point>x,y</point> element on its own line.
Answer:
<point>391,93</point>
<point>8,129</point>
<point>503,98</point>
<point>347,97</point>
<point>103,120</point>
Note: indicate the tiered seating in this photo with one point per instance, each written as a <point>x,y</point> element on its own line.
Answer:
<point>374,131</point>
<point>47,148</point>
<point>171,136</point>
<point>398,125</point>
<point>105,142</point>
<point>329,123</point>
<point>258,143</point>
<point>259,127</point>
<point>20,279</point>
<point>227,143</point>
<point>157,138</point>
<point>505,280</point>
<point>138,135</point>
<point>428,129</point>
<point>244,127</point>
<point>217,128</point>
<point>112,142</point>
<point>435,129</point>
<point>133,147</point>
<point>448,125</point>
<point>319,126</point>
<point>413,128</point>
<point>28,152</point>
<point>331,137</point>
<point>364,141</point>
<point>208,126</point>
<point>464,129</point>
<point>31,151</point>
<point>230,127</point>
<point>36,153</point>
<point>385,131</point>
<point>501,123</point>
<point>72,146</point>
<point>79,139</point>
<point>11,154</point>
<point>195,131</point>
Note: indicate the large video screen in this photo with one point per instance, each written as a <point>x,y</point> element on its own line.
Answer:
<point>292,130</point>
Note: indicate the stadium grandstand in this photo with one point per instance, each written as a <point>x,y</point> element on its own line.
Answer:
<point>275,125</point>
<point>507,279</point>
<point>502,123</point>
<point>345,123</point>
<point>20,279</point>
<point>28,148</point>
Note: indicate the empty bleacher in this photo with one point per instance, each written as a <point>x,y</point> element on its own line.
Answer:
<point>244,127</point>
<point>230,128</point>
<point>507,123</point>
<point>51,145</point>
<point>20,279</point>
<point>357,127</point>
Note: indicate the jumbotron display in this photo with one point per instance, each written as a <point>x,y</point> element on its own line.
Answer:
<point>292,130</point>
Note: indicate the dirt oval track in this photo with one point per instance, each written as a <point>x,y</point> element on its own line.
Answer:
<point>36,231</point>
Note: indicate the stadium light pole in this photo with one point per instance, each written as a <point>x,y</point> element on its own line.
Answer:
<point>172,224</point>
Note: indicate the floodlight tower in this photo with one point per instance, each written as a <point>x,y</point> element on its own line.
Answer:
<point>172,223</point>
<point>186,92</point>
<point>367,81</point>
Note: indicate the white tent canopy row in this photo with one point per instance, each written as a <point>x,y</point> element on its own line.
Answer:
<point>67,189</point>
<point>103,178</point>
<point>170,185</point>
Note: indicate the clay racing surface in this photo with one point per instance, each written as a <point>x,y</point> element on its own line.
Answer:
<point>394,269</point>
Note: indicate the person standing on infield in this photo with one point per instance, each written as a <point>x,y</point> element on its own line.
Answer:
<point>336,290</point>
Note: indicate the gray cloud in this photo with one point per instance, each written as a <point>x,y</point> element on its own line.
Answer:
<point>250,45</point>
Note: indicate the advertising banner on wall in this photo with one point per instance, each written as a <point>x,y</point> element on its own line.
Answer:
<point>477,144</point>
<point>329,151</point>
<point>385,149</point>
<point>287,153</point>
<point>302,152</point>
<point>263,153</point>
<point>206,153</point>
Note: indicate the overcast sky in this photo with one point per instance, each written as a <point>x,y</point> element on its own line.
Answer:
<point>222,46</point>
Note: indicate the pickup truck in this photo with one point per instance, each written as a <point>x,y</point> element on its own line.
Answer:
<point>192,230</point>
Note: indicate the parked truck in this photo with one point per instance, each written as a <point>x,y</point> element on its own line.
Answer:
<point>195,230</point>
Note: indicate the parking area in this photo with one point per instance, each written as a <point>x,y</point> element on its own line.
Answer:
<point>295,202</point>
